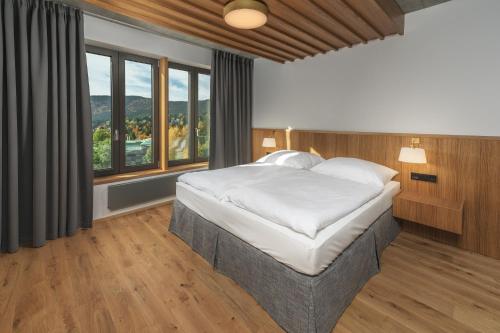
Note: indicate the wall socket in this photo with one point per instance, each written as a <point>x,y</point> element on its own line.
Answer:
<point>423,177</point>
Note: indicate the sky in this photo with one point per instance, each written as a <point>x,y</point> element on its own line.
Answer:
<point>99,68</point>
<point>138,79</point>
<point>179,82</point>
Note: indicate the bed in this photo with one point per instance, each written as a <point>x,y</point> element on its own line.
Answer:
<point>304,278</point>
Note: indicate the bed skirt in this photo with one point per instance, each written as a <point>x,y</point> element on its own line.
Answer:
<point>297,302</point>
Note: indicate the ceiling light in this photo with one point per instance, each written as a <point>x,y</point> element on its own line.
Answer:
<point>245,14</point>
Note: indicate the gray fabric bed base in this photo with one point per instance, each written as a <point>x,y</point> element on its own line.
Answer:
<point>297,302</point>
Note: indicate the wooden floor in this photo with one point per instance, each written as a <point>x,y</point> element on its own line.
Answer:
<point>130,275</point>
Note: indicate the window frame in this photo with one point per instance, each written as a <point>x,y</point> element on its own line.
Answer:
<point>115,105</point>
<point>193,72</point>
<point>155,134</point>
<point>118,84</point>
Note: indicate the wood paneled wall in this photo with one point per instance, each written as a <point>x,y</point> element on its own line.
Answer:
<point>467,168</point>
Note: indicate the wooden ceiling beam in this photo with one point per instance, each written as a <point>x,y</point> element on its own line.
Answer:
<point>394,13</point>
<point>384,15</point>
<point>325,7</point>
<point>338,8</point>
<point>362,16</point>
<point>300,22</point>
<point>195,11</point>
<point>137,11</point>
<point>278,24</point>
<point>184,18</point>
<point>327,21</point>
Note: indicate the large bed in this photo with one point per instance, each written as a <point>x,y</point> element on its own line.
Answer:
<point>303,273</point>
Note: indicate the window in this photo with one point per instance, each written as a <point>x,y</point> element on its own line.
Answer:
<point>188,114</point>
<point>101,86</point>
<point>123,98</point>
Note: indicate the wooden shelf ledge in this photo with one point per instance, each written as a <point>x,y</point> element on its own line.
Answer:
<point>433,212</point>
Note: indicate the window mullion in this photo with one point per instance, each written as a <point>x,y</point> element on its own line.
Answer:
<point>121,112</point>
<point>116,112</point>
<point>194,110</point>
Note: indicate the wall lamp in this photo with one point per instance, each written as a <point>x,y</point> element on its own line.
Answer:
<point>416,155</point>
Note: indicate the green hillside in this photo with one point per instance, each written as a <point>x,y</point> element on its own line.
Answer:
<point>138,108</point>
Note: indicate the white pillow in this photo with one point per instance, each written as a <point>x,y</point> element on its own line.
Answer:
<point>292,158</point>
<point>356,170</point>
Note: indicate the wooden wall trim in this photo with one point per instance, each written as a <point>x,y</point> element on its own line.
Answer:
<point>420,135</point>
<point>468,168</point>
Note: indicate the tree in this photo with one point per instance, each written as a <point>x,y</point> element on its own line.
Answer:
<point>102,154</point>
<point>148,157</point>
<point>101,134</point>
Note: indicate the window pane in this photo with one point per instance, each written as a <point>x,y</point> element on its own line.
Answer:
<point>99,71</point>
<point>178,115</point>
<point>203,116</point>
<point>138,114</point>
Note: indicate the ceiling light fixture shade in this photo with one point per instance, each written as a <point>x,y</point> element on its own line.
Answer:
<point>245,14</point>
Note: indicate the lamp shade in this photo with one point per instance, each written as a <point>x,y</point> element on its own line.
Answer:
<point>245,14</point>
<point>269,143</point>
<point>412,155</point>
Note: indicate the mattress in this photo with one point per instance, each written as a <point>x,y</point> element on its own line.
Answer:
<point>296,250</point>
<point>301,200</point>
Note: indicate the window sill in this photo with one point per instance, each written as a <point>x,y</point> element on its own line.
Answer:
<point>148,173</point>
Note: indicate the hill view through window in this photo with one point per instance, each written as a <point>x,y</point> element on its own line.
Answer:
<point>122,98</point>
<point>124,105</point>
<point>188,114</point>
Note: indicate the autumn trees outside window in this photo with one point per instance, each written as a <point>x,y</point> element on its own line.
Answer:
<point>188,114</point>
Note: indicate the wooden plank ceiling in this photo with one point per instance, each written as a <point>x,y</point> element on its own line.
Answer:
<point>295,28</point>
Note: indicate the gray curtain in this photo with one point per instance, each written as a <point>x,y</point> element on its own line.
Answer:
<point>45,132</point>
<point>231,106</point>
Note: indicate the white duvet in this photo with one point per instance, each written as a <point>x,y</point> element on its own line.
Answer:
<point>301,200</point>
<point>219,182</point>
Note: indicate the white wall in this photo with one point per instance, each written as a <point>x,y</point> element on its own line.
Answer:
<point>102,32</point>
<point>442,76</point>
<point>139,41</point>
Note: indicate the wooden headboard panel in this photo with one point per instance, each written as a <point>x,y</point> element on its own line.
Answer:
<point>467,167</point>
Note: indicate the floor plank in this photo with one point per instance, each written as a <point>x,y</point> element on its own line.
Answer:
<point>130,274</point>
